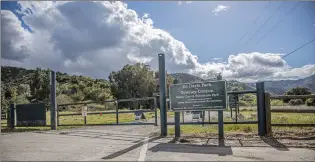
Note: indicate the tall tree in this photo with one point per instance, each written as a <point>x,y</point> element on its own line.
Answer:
<point>132,81</point>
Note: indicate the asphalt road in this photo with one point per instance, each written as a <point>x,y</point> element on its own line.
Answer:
<point>134,143</point>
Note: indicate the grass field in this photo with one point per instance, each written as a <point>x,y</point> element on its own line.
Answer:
<point>290,118</point>
<point>296,118</point>
<point>79,120</point>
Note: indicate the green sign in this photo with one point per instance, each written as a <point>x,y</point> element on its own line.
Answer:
<point>198,96</point>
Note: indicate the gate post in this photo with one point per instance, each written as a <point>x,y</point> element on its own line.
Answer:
<point>53,105</point>
<point>268,114</point>
<point>155,111</point>
<point>261,108</point>
<point>162,85</point>
<point>12,116</point>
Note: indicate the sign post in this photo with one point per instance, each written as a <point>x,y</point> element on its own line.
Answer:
<point>84,113</point>
<point>198,97</point>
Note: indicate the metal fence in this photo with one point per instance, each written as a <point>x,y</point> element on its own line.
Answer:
<point>116,112</point>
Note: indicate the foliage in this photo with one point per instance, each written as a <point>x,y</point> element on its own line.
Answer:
<point>310,102</point>
<point>294,102</point>
<point>297,91</point>
<point>63,99</point>
<point>19,85</point>
<point>276,103</point>
<point>247,100</point>
<point>132,81</point>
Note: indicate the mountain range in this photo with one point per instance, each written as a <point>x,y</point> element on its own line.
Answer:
<point>15,75</point>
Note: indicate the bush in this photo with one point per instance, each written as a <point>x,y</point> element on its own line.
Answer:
<point>22,99</point>
<point>63,99</point>
<point>294,102</point>
<point>310,102</point>
<point>276,103</point>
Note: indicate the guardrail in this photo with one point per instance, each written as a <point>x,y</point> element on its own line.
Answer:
<point>268,111</point>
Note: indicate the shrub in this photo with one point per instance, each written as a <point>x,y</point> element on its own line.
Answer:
<point>276,103</point>
<point>310,102</point>
<point>294,102</point>
<point>63,99</point>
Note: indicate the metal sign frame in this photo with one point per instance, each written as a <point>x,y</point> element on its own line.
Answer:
<point>203,109</point>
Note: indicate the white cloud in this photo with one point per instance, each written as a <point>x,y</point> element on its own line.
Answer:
<point>181,2</point>
<point>220,8</point>
<point>95,38</point>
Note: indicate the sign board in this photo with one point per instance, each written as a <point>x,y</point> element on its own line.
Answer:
<point>84,111</point>
<point>201,96</point>
<point>196,114</point>
<point>233,101</point>
<point>31,114</point>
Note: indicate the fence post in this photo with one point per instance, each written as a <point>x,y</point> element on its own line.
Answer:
<point>12,116</point>
<point>162,85</point>
<point>261,108</point>
<point>177,124</point>
<point>220,117</point>
<point>268,114</point>
<point>53,107</point>
<point>117,120</point>
<point>155,111</point>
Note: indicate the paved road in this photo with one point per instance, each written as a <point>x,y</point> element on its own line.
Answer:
<point>133,143</point>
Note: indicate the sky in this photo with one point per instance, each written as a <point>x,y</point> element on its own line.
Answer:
<point>242,40</point>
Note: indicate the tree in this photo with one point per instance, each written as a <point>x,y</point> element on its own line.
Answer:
<point>132,81</point>
<point>297,91</point>
<point>40,85</point>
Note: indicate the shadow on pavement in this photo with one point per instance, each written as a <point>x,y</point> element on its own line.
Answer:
<point>273,142</point>
<point>220,149</point>
<point>121,152</point>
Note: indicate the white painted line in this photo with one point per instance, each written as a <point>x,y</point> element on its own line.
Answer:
<point>143,150</point>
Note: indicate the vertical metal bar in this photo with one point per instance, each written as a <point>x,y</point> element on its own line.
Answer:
<point>268,114</point>
<point>162,86</point>
<point>117,120</point>
<point>12,116</point>
<point>155,111</point>
<point>177,124</point>
<point>221,125</point>
<point>220,118</point>
<point>183,114</point>
<point>261,108</point>
<point>53,105</point>
<point>231,112</point>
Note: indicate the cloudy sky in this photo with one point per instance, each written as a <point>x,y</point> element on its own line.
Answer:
<point>200,38</point>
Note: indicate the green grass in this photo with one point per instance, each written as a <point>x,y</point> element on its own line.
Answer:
<point>79,120</point>
<point>297,118</point>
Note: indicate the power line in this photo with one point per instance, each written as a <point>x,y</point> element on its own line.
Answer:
<point>281,58</point>
<point>256,20</point>
<point>288,13</point>
<point>264,23</point>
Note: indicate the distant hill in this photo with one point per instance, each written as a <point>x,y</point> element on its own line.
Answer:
<point>282,86</point>
<point>185,78</point>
